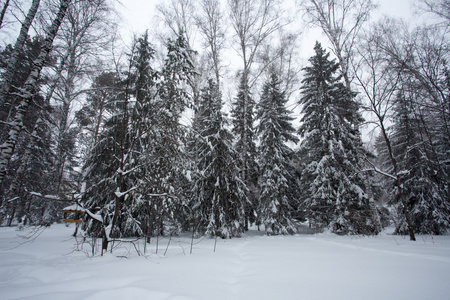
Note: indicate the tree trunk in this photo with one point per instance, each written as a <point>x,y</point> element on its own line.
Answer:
<point>18,46</point>
<point>105,240</point>
<point>13,214</point>
<point>399,183</point>
<point>28,91</point>
<point>2,14</point>
<point>62,153</point>
<point>99,119</point>
<point>123,156</point>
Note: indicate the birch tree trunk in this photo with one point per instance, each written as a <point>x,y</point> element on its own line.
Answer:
<point>18,46</point>
<point>28,91</point>
<point>400,184</point>
<point>210,22</point>
<point>3,12</point>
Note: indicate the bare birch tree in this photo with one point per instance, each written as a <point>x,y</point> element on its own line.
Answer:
<point>438,8</point>
<point>281,55</point>
<point>84,35</point>
<point>178,15</point>
<point>27,92</point>
<point>340,21</point>
<point>18,46</point>
<point>379,84</point>
<point>422,54</point>
<point>253,22</point>
<point>210,21</point>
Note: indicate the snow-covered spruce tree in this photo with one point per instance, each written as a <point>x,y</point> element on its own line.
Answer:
<point>279,190</point>
<point>334,191</point>
<point>219,194</point>
<point>142,119</point>
<point>134,169</point>
<point>104,160</point>
<point>167,159</point>
<point>114,167</point>
<point>427,202</point>
<point>242,114</point>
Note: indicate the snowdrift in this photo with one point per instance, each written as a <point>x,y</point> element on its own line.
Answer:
<point>49,264</point>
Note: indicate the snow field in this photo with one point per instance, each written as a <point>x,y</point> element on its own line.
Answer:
<point>321,266</point>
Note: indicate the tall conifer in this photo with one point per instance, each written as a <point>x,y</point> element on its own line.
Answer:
<point>279,190</point>
<point>335,194</point>
<point>243,129</point>
<point>219,191</point>
<point>419,170</point>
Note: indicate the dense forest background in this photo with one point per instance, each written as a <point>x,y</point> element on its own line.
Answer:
<point>165,134</point>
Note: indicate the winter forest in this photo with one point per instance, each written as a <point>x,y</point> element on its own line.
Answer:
<point>213,121</point>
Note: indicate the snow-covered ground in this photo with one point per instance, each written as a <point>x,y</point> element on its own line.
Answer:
<point>322,266</point>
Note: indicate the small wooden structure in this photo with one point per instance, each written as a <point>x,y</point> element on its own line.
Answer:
<point>75,211</point>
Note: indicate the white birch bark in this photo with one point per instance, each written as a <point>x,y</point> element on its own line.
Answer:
<point>18,46</point>
<point>2,14</point>
<point>28,91</point>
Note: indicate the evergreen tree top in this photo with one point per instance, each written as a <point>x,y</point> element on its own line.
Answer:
<point>323,87</point>
<point>272,110</point>
<point>322,67</point>
<point>179,58</point>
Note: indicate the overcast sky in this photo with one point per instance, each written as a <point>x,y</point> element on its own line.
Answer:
<point>138,14</point>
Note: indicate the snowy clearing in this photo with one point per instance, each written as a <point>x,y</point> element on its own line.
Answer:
<point>322,266</point>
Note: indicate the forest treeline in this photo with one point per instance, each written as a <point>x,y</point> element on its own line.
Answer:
<point>161,136</point>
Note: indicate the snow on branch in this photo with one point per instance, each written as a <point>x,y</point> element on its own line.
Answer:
<point>375,169</point>
<point>94,216</point>
<point>120,194</point>
<point>58,198</point>
<point>49,197</point>
<point>157,195</point>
